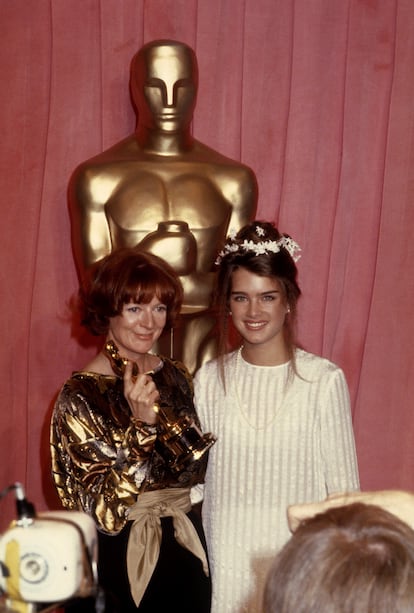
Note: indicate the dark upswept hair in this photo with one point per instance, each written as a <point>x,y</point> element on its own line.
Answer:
<point>357,558</point>
<point>280,265</point>
<point>127,275</point>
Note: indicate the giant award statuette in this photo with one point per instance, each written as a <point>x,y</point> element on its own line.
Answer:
<point>179,440</point>
<point>162,190</point>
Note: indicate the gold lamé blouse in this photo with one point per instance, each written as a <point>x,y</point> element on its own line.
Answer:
<point>101,457</point>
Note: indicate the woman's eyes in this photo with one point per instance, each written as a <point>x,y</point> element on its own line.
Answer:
<point>133,309</point>
<point>161,308</point>
<point>264,298</point>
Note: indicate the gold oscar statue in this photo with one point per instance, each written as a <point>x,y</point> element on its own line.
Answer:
<point>179,440</point>
<point>165,191</point>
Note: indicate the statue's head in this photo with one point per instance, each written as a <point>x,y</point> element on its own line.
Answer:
<point>164,81</point>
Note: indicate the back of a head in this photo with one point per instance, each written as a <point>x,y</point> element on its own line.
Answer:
<point>352,559</point>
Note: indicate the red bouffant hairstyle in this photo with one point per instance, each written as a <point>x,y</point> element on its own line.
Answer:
<point>127,275</point>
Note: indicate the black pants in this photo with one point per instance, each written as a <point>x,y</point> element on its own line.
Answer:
<point>177,584</point>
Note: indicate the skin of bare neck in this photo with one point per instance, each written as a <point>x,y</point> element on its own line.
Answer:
<point>263,356</point>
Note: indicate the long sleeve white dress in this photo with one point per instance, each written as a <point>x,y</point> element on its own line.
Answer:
<point>281,440</point>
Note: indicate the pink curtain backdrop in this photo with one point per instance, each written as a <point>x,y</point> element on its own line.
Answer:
<point>315,95</point>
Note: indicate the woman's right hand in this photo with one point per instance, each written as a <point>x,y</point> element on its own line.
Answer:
<point>141,394</point>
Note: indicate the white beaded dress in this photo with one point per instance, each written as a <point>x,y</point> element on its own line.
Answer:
<point>280,441</point>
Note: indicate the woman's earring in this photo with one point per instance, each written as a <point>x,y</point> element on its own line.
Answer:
<point>288,309</point>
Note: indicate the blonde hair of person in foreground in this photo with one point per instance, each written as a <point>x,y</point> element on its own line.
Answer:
<point>355,558</point>
<point>397,502</point>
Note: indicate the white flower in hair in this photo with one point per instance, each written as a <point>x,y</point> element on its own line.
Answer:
<point>292,247</point>
<point>261,248</point>
<point>260,231</point>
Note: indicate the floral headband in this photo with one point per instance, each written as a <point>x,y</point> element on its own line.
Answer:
<point>260,248</point>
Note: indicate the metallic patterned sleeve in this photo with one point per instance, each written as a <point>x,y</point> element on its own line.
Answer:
<point>98,460</point>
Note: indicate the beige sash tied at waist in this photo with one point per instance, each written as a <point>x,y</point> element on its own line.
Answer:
<point>146,532</point>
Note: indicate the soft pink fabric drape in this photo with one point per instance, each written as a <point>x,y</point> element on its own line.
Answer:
<point>315,95</point>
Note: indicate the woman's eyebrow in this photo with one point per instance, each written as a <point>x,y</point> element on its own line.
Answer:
<point>270,291</point>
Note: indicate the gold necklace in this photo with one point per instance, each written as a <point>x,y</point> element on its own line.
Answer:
<point>242,405</point>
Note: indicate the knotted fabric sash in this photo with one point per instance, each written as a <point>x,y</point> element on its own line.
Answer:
<point>146,533</point>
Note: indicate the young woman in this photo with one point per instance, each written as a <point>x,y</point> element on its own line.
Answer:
<point>281,416</point>
<point>108,453</point>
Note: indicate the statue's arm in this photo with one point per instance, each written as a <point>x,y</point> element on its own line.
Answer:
<point>91,239</point>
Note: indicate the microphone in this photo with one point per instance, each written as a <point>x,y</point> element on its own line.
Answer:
<point>25,510</point>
